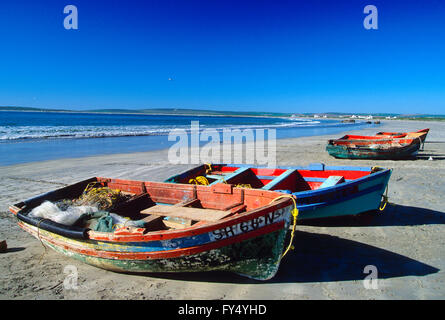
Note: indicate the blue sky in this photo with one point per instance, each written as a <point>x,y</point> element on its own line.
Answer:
<point>283,56</point>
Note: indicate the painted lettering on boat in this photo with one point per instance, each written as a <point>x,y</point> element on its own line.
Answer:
<point>247,226</point>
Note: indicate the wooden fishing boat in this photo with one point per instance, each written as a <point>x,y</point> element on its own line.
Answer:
<point>321,191</point>
<point>420,133</point>
<point>374,147</point>
<point>222,228</point>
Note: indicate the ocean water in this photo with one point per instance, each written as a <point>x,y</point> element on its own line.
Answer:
<point>37,136</point>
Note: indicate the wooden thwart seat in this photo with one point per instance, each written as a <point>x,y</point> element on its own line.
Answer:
<point>195,214</point>
<point>332,181</point>
<point>231,176</point>
<point>279,179</point>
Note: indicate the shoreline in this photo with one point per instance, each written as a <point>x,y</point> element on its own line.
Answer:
<point>34,149</point>
<point>405,242</point>
<point>150,153</point>
<point>365,131</point>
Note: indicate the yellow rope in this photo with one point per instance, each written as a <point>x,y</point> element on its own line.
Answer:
<point>384,201</point>
<point>38,236</point>
<point>200,180</point>
<point>241,185</point>
<point>209,169</point>
<point>104,197</point>
<point>295,215</point>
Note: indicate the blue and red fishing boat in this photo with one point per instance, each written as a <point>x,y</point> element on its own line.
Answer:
<point>167,227</point>
<point>322,191</point>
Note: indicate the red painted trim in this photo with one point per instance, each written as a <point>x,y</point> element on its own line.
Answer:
<point>191,231</point>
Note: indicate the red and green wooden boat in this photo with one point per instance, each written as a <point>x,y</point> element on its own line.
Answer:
<point>421,133</point>
<point>375,147</point>
<point>321,191</point>
<point>223,228</point>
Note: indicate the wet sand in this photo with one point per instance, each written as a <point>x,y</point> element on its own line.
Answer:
<point>405,242</point>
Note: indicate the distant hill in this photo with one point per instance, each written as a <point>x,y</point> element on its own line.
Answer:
<point>168,111</point>
<point>15,108</point>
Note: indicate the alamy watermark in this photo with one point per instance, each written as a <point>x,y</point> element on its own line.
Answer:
<point>72,275</point>
<point>247,146</point>
<point>371,20</point>
<point>371,280</point>
<point>71,21</point>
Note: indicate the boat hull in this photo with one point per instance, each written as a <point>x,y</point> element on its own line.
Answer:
<point>378,153</point>
<point>257,257</point>
<point>344,200</point>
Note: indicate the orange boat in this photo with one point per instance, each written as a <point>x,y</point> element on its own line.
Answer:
<point>421,134</point>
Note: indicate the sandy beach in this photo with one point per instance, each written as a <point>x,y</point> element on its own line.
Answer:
<point>405,242</point>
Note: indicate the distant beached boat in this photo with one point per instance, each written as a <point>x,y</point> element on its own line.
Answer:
<point>175,228</point>
<point>375,147</point>
<point>321,191</point>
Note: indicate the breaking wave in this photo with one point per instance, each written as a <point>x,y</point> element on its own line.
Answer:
<point>14,133</point>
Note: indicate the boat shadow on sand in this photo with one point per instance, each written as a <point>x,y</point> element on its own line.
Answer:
<point>323,258</point>
<point>425,154</point>
<point>393,215</point>
<point>434,156</point>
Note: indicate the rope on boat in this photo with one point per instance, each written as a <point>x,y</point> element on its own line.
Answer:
<point>200,180</point>
<point>295,215</point>
<point>241,185</point>
<point>38,237</point>
<point>421,143</point>
<point>384,200</point>
<point>103,197</point>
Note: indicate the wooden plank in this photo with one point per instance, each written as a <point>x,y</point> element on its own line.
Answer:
<point>177,223</point>
<point>232,175</point>
<point>279,179</point>
<point>149,219</point>
<point>196,214</point>
<point>186,203</point>
<point>214,176</point>
<point>332,181</point>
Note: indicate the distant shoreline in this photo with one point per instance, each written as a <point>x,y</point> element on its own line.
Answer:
<point>439,118</point>
<point>155,113</point>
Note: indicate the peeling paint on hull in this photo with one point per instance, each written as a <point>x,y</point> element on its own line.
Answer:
<point>345,152</point>
<point>257,258</point>
<point>249,242</point>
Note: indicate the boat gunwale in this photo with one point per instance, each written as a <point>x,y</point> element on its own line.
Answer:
<point>316,192</point>
<point>365,142</point>
<point>168,234</point>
